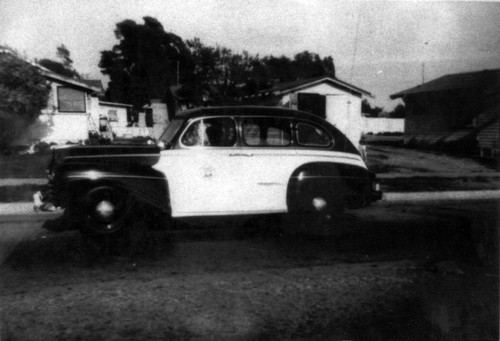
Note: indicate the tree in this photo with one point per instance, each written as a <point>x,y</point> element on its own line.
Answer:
<point>145,63</point>
<point>398,112</point>
<point>367,109</point>
<point>23,94</point>
<point>64,66</point>
<point>308,65</point>
<point>64,55</point>
<point>238,75</point>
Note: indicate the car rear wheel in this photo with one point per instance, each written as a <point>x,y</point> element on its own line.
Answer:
<point>319,214</point>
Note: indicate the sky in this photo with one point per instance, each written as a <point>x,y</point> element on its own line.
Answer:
<point>381,46</point>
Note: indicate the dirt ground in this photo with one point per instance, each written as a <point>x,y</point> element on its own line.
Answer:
<point>388,159</point>
<point>392,273</point>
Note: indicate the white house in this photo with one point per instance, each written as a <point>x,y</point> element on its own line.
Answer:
<point>69,108</point>
<point>335,100</point>
<point>74,110</point>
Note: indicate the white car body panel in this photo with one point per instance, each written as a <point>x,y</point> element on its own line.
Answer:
<point>236,180</point>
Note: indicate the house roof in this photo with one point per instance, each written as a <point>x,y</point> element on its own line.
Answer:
<point>454,81</point>
<point>113,104</point>
<point>71,81</point>
<point>96,83</point>
<point>287,87</point>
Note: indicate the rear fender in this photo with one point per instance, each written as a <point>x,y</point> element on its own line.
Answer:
<point>340,185</point>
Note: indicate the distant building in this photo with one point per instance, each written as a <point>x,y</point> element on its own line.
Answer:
<point>458,111</point>
<point>329,97</point>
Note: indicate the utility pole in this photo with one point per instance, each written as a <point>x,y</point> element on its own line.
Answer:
<point>423,73</point>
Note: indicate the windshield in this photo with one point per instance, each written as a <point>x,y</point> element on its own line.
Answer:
<point>172,129</point>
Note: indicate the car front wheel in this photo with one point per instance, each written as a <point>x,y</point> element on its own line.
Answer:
<point>106,210</point>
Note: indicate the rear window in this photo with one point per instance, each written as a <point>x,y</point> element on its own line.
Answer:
<point>312,136</point>
<point>266,132</point>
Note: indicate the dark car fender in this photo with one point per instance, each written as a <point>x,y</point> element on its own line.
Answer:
<point>340,185</point>
<point>141,182</point>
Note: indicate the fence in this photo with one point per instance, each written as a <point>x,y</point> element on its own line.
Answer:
<point>377,125</point>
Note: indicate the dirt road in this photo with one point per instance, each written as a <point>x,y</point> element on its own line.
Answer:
<point>388,272</point>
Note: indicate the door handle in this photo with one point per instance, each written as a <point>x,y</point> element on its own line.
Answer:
<point>207,172</point>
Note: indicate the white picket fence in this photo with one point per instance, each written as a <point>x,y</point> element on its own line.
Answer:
<point>129,132</point>
<point>377,125</point>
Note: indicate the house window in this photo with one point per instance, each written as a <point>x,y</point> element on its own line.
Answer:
<point>70,100</point>
<point>112,116</point>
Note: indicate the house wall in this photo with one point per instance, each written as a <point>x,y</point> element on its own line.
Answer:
<point>66,126</point>
<point>121,113</point>
<point>343,109</point>
<point>160,118</point>
<point>426,114</point>
<point>443,117</point>
<point>465,120</point>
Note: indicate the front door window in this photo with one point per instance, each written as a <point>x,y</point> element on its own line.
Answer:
<point>211,132</point>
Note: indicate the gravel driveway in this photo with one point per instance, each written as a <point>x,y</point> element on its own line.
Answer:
<point>205,290</point>
<point>393,273</point>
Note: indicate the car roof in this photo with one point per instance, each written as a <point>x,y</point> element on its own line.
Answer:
<point>248,111</point>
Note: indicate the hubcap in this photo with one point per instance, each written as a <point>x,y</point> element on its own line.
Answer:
<point>105,210</point>
<point>319,204</point>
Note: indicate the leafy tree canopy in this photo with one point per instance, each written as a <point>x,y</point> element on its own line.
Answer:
<point>237,75</point>
<point>144,63</point>
<point>62,67</point>
<point>147,60</point>
<point>368,111</point>
<point>23,94</point>
<point>398,112</point>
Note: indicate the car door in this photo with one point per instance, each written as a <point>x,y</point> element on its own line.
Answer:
<point>201,172</point>
<point>264,163</point>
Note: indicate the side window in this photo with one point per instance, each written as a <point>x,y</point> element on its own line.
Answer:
<point>112,116</point>
<point>211,132</point>
<point>312,136</point>
<point>266,131</point>
<point>70,100</point>
<point>193,135</point>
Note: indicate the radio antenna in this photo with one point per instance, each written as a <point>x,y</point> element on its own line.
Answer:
<point>355,46</point>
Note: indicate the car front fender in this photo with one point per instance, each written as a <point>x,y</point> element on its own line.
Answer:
<point>142,182</point>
